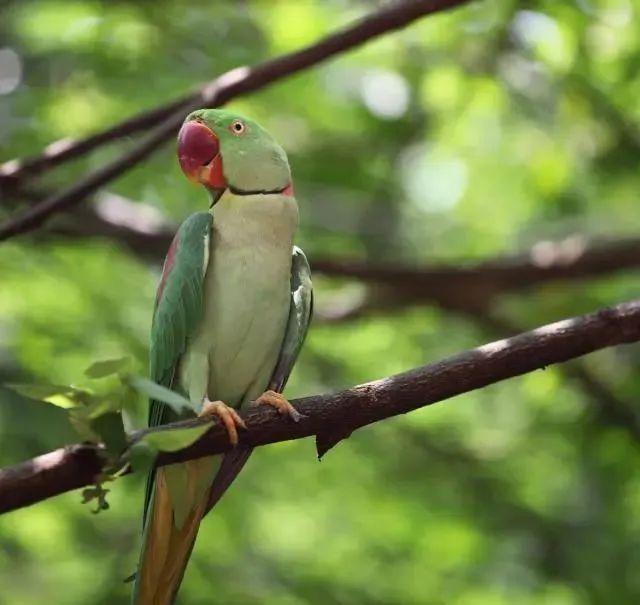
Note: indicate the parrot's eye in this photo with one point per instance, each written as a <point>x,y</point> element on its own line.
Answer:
<point>237,127</point>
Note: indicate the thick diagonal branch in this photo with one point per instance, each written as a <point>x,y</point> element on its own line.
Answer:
<point>239,81</point>
<point>333,417</point>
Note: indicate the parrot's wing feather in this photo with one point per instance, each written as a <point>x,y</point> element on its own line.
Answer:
<point>178,310</point>
<point>299,319</point>
<point>179,304</point>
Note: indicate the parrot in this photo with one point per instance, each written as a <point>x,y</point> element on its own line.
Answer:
<point>232,311</point>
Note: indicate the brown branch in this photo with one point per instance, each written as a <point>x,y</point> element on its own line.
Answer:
<point>572,259</point>
<point>221,90</point>
<point>334,417</point>
<point>64,150</point>
<point>610,409</point>
<point>34,216</point>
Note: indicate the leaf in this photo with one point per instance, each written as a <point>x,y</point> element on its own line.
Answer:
<point>142,456</point>
<point>110,430</point>
<point>80,421</point>
<point>64,396</point>
<point>98,493</point>
<point>107,367</point>
<point>175,401</point>
<point>173,440</point>
<point>109,404</point>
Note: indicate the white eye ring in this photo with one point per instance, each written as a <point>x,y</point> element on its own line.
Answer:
<point>237,127</point>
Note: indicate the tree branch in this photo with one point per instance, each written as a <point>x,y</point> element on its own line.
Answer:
<point>571,259</point>
<point>239,81</point>
<point>12,172</point>
<point>609,408</point>
<point>140,228</point>
<point>333,417</point>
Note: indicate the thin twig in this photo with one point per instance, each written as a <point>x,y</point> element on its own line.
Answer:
<point>64,150</point>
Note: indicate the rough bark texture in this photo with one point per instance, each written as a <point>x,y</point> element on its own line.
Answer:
<point>333,417</point>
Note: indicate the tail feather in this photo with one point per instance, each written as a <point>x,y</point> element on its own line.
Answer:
<point>172,523</point>
<point>167,547</point>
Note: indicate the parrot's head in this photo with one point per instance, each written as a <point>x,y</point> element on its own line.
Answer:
<point>222,150</point>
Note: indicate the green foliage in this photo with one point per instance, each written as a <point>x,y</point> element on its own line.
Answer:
<point>175,401</point>
<point>97,493</point>
<point>468,135</point>
<point>97,417</point>
<point>108,367</point>
<point>65,396</point>
<point>172,440</point>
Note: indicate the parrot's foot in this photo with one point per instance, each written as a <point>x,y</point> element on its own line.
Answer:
<point>227,415</point>
<point>281,404</point>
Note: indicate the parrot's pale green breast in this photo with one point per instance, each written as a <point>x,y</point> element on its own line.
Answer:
<point>246,299</point>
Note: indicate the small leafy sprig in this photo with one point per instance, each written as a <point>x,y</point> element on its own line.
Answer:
<point>98,413</point>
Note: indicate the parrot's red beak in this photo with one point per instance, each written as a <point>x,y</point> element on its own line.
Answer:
<point>199,155</point>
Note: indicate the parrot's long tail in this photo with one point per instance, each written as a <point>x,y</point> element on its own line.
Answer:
<point>172,524</point>
<point>168,536</point>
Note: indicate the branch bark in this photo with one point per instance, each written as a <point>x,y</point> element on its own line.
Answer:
<point>572,259</point>
<point>333,417</point>
<point>236,82</point>
<point>609,408</point>
<point>12,172</point>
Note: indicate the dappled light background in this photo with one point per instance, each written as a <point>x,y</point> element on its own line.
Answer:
<point>487,131</point>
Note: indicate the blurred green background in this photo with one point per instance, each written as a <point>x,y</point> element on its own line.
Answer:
<point>472,134</point>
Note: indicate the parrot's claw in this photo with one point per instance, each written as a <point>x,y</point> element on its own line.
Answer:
<point>281,404</point>
<point>227,415</point>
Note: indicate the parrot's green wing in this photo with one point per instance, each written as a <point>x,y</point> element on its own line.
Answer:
<point>300,312</point>
<point>178,310</point>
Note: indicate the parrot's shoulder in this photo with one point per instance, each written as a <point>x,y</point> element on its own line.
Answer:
<point>191,237</point>
<point>190,246</point>
<point>195,224</point>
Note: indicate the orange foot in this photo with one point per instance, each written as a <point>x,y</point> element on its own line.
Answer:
<point>281,404</point>
<point>227,415</point>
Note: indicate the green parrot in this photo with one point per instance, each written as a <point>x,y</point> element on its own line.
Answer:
<point>231,314</point>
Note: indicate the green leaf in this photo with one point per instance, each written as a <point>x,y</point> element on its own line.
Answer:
<point>107,405</point>
<point>80,421</point>
<point>107,367</point>
<point>64,396</point>
<point>172,440</point>
<point>97,493</point>
<point>175,401</point>
<point>110,430</point>
<point>142,456</point>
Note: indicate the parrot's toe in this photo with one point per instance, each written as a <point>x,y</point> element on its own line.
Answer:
<point>281,404</point>
<point>227,415</point>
